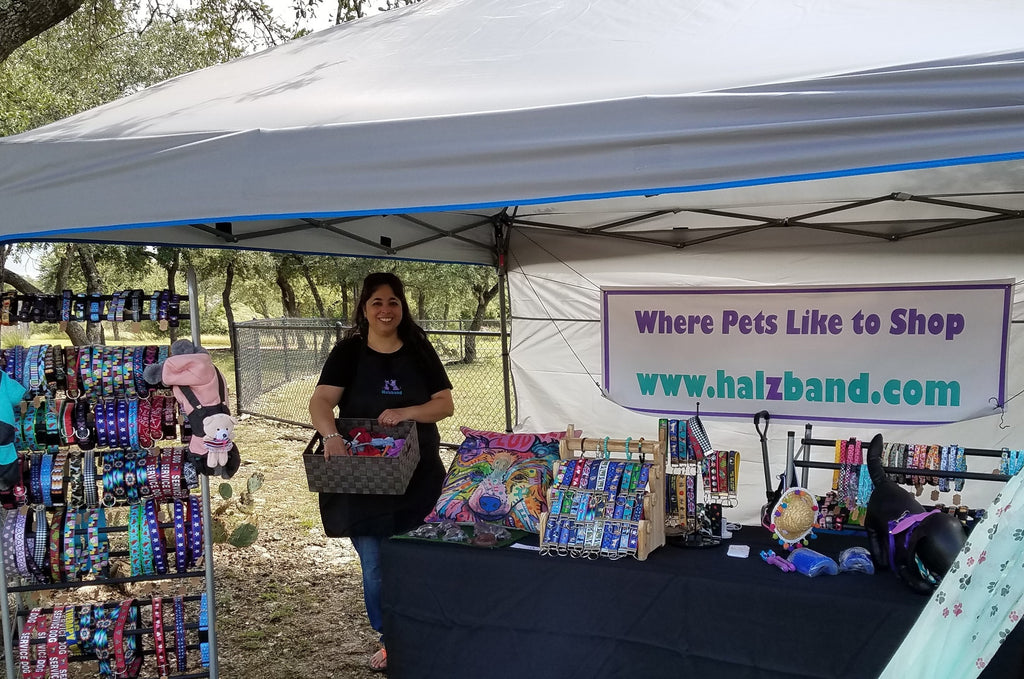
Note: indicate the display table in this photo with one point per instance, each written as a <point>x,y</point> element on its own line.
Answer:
<point>454,611</point>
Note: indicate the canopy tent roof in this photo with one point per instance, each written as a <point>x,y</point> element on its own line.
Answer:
<point>411,132</point>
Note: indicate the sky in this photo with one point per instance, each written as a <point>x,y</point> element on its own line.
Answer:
<point>324,13</point>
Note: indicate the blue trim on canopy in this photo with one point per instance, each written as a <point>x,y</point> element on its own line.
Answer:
<point>697,188</point>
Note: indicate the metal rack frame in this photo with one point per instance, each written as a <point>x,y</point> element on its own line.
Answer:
<point>207,573</point>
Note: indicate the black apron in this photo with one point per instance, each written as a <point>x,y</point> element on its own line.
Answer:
<point>383,381</point>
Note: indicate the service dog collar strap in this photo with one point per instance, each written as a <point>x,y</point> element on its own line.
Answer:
<point>57,645</point>
<point>35,624</point>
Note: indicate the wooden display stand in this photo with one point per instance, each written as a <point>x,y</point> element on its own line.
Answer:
<point>652,526</point>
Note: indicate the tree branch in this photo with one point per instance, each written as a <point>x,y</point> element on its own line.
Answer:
<point>25,19</point>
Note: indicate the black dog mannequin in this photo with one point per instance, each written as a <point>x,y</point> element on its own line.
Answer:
<point>935,540</point>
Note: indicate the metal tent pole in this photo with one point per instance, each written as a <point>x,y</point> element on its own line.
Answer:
<point>501,234</point>
<point>204,484</point>
<point>506,370</point>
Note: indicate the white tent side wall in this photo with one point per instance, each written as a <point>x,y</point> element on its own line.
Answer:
<point>557,351</point>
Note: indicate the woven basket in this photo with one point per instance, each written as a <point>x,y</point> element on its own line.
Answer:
<point>359,474</point>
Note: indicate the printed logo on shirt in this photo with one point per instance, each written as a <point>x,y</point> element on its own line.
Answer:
<point>391,388</point>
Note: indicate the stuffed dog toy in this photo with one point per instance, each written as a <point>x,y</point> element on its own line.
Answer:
<point>918,545</point>
<point>201,392</point>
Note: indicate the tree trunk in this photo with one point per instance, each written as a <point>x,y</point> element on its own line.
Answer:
<point>291,307</point>
<point>64,267</point>
<point>229,278</point>
<point>20,284</point>
<point>421,304</point>
<point>22,20</point>
<point>344,302</point>
<point>74,329</point>
<point>5,251</point>
<point>93,283</point>
<point>313,289</point>
<point>483,297</point>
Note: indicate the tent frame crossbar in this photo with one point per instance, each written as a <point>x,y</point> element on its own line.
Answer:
<point>996,214</point>
<point>223,231</point>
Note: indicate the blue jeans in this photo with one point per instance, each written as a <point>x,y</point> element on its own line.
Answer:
<point>368,548</point>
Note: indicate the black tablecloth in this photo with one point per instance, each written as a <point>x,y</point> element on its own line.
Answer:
<point>454,611</point>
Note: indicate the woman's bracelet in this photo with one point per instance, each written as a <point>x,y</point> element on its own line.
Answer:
<point>331,436</point>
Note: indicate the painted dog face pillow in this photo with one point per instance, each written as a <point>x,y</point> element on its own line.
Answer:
<point>500,478</point>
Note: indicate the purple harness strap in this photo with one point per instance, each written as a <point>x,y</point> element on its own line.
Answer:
<point>905,524</point>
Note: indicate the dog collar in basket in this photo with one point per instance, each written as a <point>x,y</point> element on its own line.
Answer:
<point>794,518</point>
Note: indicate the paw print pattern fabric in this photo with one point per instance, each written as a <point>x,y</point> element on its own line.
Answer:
<point>971,613</point>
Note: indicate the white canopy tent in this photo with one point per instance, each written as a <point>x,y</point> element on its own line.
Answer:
<point>598,143</point>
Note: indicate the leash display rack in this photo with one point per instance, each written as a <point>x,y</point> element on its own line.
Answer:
<point>14,622</point>
<point>651,528</point>
<point>802,459</point>
<point>683,520</point>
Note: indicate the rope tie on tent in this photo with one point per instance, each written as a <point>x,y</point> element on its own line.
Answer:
<point>1001,407</point>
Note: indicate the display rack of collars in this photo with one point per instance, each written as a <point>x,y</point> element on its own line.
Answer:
<point>687,442</point>
<point>719,472</point>
<point>98,446</point>
<point>607,499</point>
<point>943,468</point>
<point>132,306</point>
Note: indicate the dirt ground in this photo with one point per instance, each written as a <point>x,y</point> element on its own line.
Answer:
<point>291,604</point>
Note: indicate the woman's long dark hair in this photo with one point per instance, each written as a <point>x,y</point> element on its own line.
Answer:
<point>408,330</point>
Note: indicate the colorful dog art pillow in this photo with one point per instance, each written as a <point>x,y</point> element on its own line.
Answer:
<point>500,478</point>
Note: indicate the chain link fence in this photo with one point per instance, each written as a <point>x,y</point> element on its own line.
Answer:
<point>278,362</point>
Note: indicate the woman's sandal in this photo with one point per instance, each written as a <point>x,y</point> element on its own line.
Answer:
<point>379,660</point>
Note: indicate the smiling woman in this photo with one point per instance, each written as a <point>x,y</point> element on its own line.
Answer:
<point>385,370</point>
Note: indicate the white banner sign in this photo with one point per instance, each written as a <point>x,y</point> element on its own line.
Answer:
<point>885,354</point>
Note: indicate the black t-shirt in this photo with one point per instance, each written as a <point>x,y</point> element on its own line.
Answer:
<point>372,383</point>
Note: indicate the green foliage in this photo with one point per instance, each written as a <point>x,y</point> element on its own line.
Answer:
<point>218,531</point>
<point>230,511</point>
<point>244,535</point>
<point>254,483</point>
<point>109,51</point>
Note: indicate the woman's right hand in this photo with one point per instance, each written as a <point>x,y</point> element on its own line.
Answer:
<point>336,446</point>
